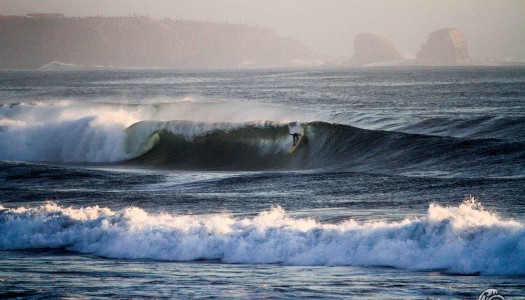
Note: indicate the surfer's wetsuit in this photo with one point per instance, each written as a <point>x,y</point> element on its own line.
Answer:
<point>295,137</point>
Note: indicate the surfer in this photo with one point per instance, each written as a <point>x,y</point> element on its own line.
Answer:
<point>295,137</point>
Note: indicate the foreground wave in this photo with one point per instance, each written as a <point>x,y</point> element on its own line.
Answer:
<point>464,239</point>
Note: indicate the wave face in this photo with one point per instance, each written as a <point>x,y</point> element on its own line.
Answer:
<point>464,239</point>
<point>193,145</point>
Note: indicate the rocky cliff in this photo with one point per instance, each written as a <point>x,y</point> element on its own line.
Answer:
<point>444,47</point>
<point>35,40</point>
<point>372,48</point>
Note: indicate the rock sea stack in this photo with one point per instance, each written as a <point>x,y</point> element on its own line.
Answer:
<point>444,47</point>
<point>371,48</point>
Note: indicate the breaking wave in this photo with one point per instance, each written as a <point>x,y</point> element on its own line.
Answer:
<point>72,131</point>
<point>215,137</point>
<point>464,239</point>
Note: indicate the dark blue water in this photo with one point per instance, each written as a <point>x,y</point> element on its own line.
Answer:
<point>407,183</point>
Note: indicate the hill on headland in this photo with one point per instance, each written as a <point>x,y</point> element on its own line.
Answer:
<point>36,40</point>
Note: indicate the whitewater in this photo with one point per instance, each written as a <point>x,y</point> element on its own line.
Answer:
<point>408,183</point>
<point>464,239</point>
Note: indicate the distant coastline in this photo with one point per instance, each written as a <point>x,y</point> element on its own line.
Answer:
<point>53,40</point>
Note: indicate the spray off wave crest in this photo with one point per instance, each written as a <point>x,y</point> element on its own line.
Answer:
<point>465,239</point>
<point>64,131</point>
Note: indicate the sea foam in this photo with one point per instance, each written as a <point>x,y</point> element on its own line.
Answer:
<point>464,239</point>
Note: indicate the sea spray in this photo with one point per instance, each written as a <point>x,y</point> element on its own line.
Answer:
<point>464,239</point>
<point>65,131</point>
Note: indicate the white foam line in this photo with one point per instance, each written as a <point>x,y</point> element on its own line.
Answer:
<point>461,239</point>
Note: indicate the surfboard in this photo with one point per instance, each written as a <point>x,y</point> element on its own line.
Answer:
<point>293,147</point>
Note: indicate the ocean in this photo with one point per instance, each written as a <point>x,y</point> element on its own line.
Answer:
<point>407,183</point>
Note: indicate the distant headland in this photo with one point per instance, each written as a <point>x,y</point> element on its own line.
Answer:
<point>49,40</point>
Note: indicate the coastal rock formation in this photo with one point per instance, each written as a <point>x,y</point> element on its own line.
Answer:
<point>372,48</point>
<point>36,40</point>
<point>444,47</point>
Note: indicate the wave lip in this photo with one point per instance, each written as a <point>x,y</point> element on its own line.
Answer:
<point>464,239</point>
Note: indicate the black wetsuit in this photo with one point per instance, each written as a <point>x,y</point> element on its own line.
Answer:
<point>295,137</point>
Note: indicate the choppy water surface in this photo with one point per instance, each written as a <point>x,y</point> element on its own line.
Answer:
<point>408,183</point>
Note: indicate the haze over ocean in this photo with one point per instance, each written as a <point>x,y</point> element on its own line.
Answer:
<point>494,29</point>
<point>408,183</point>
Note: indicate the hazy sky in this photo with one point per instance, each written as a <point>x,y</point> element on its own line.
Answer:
<point>495,29</point>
